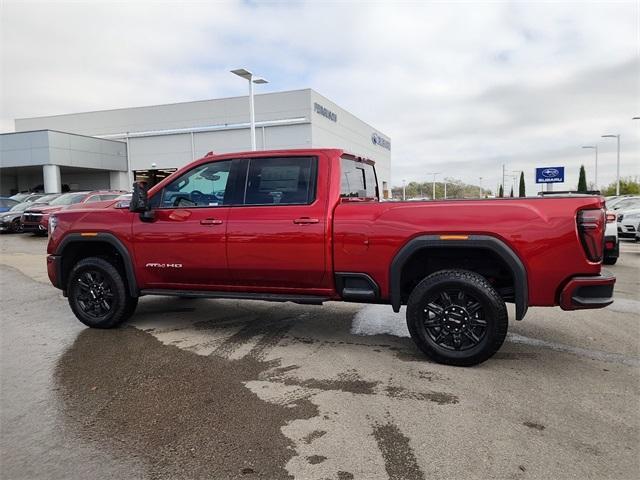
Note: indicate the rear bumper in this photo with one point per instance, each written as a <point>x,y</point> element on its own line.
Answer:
<point>611,247</point>
<point>588,292</point>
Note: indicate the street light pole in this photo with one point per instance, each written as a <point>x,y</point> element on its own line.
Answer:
<point>618,162</point>
<point>481,184</point>
<point>594,147</point>
<point>247,75</point>
<point>433,196</point>
<point>404,192</point>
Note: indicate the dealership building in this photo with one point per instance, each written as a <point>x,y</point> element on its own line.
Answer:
<point>112,148</point>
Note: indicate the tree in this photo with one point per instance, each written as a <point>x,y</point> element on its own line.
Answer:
<point>455,189</point>
<point>522,193</point>
<point>501,192</point>
<point>628,186</point>
<point>582,181</point>
<point>511,194</point>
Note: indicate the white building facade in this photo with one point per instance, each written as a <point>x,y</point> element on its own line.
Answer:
<point>166,137</point>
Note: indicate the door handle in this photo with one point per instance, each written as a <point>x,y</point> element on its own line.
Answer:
<point>305,221</point>
<point>210,221</point>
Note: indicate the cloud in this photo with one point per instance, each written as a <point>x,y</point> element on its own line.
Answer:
<point>460,87</point>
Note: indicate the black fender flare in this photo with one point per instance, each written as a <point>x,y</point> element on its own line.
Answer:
<point>100,237</point>
<point>473,241</point>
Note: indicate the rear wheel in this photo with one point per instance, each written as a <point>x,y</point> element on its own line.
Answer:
<point>610,260</point>
<point>98,295</point>
<point>457,318</point>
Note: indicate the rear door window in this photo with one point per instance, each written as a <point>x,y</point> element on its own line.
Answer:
<point>280,181</point>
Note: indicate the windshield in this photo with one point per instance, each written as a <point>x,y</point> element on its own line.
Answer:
<point>68,199</point>
<point>627,203</point>
<point>47,198</point>
<point>21,207</point>
<point>20,196</point>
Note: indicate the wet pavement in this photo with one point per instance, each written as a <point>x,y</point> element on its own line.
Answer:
<point>225,389</point>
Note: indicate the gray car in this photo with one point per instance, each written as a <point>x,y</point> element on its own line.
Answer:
<point>10,221</point>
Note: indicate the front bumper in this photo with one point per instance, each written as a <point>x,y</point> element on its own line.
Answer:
<point>54,268</point>
<point>588,292</point>
<point>626,230</point>
<point>34,228</point>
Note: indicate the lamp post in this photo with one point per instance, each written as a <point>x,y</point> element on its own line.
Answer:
<point>433,196</point>
<point>404,192</point>
<point>247,75</point>
<point>594,147</point>
<point>481,186</point>
<point>618,162</point>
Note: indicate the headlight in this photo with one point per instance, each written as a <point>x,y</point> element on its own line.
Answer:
<point>53,223</point>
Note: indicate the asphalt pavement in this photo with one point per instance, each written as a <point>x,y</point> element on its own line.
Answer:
<point>226,389</point>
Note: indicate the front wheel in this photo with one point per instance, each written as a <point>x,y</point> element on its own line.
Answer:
<point>16,226</point>
<point>610,260</point>
<point>457,318</point>
<point>98,295</point>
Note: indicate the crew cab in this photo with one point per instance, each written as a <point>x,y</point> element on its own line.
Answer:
<point>308,226</point>
<point>36,219</point>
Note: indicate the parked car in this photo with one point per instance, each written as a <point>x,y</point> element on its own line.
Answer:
<point>611,241</point>
<point>625,203</point>
<point>628,223</point>
<point>10,221</point>
<point>6,203</point>
<point>307,226</point>
<point>20,197</point>
<point>36,218</point>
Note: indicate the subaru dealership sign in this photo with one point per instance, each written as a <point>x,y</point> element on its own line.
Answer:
<point>379,140</point>
<point>550,175</point>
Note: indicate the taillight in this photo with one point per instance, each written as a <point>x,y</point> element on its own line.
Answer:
<point>611,217</point>
<point>591,229</point>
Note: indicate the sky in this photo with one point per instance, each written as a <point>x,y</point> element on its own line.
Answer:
<point>460,87</point>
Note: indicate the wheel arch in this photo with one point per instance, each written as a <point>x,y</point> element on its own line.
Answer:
<point>75,242</point>
<point>483,242</point>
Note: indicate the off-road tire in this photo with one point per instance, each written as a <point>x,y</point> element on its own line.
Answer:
<point>97,275</point>
<point>422,304</point>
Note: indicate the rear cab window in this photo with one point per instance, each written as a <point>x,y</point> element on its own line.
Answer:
<point>357,180</point>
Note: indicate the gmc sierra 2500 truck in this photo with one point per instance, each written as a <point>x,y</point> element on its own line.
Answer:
<point>308,226</point>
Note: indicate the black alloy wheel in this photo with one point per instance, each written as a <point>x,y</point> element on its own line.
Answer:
<point>454,319</point>
<point>457,318</point>
<point>16,226</point>
<point>98,294</point>
<point>94,293</point>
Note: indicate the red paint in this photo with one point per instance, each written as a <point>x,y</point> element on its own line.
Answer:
<point>297,248</point>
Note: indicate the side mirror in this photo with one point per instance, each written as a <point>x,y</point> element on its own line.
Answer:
<point>139,201</point>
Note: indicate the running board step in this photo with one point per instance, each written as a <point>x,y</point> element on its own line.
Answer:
<point>268,297</point>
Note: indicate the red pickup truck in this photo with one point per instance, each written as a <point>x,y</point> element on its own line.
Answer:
<point>308,226</point>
